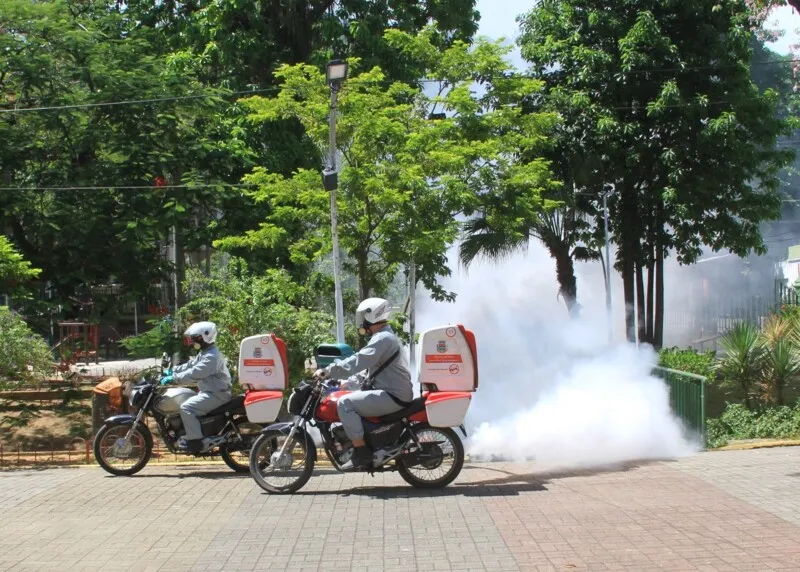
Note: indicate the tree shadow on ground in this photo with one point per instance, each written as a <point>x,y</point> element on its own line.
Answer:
<point>509,484</point>
<point>203,473</point>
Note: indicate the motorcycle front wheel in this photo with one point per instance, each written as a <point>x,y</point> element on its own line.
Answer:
<point>117,457</point>
<point>281,474</point>
<point>438,463</point>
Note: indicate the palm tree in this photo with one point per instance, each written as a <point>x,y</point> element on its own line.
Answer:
<point>741,366</point>
<point>780,337</point>
<point>559,225</point>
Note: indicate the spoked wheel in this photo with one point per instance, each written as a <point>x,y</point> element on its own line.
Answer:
<point>281,473</point>
<point>119,458</point>
<point>236,452</point>
<point>438,463</point>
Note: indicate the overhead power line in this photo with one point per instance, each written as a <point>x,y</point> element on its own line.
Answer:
<point>131,187</point>
<point>427,80</point>
<point>135,101</point>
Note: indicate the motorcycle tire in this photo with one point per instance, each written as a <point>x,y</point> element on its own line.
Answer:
<point>266,444</point>
<point>227,455</point>
<point>458,460</point>
<point>141,431</point>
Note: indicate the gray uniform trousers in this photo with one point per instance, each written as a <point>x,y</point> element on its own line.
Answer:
<point>198,406</point>
<point>353,406</point>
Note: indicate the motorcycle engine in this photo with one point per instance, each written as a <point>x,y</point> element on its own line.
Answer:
<point>174,426</point>
<point>174,422</point>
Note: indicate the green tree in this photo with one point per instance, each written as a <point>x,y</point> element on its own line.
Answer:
<point>241,44</point>
<point>24,356</point>
<point>404,176</point>
<point>243,304</point>
<point>82,54</point>
<point>13,268</point>
<point>659,94</point>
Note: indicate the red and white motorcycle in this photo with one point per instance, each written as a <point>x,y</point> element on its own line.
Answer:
<point>418,442</point>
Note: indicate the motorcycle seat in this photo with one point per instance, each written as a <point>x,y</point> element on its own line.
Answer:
<point>415,406</point>
<point>236,403</point>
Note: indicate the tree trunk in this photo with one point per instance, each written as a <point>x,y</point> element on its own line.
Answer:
<point>640,303</point>
<point>658,332</point>
<point>363,277</point>
<point>565,274</point>
<point>627,255</point>
<point>181,267</point>
<point>651,270</point>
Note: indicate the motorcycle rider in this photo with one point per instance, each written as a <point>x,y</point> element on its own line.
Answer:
<point>209,370</point>
<point>385,388</point>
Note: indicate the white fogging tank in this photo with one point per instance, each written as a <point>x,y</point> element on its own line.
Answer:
<point>169,403</point>
<point>448,369</point>
<point>264,373</point>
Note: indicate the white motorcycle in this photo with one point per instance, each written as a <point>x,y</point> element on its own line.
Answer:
<point>124,444</point>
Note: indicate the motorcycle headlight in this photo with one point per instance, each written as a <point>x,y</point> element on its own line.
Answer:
<point>136,397</point>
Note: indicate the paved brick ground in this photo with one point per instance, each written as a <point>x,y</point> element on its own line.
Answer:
<point>716,511</point>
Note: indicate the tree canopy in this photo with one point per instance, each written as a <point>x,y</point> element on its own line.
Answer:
<point>131,128</point>
<point>659,96</point>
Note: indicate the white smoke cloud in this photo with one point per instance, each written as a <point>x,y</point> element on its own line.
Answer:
<point>554,389</point>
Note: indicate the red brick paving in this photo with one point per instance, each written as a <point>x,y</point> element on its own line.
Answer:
<point>648,518</point>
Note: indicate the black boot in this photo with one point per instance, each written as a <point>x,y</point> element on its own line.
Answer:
<point>361,459</point>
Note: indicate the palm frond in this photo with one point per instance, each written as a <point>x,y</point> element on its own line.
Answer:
<point>481,240</point>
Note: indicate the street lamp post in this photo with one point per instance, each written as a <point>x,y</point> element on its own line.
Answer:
<point>335,74</point>
<point>607,191</point>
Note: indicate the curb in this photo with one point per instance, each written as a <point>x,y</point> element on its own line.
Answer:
<point>758,445</point>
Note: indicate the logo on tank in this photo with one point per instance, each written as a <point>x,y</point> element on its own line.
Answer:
<point>441,346</point>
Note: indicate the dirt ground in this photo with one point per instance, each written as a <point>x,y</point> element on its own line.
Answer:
<point>44,425</point>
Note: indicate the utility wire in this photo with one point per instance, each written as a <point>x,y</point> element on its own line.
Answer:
<point>643,107</point>
<point>134,101</point>
<point>131,187</point>
<point>427,80</point>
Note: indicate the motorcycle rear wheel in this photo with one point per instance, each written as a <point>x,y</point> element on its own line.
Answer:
<point>233,457</point>
<point>299,455</point>
<point>441,448</point>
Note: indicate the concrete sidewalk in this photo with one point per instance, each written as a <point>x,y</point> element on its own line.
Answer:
<point>716,511</point>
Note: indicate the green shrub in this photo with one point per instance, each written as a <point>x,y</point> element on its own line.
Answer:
<point>155,341</point>
<point>688,360</point>
<point>738,422</point>
<point>243,304</point>
<point>24,356</point>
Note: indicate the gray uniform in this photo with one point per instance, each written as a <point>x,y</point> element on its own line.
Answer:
<point>394,380</point>
<point>209,370</point>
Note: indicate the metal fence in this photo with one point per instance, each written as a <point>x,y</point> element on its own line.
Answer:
<point>80,452</point>
<point>687,399</point>
<point>701,323</point>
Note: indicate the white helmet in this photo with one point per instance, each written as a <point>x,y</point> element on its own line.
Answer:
<point>205,330</point>
<point>372,311</point>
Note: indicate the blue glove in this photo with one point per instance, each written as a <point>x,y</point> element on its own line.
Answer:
<point>168,372</point>
<point>166,379</point>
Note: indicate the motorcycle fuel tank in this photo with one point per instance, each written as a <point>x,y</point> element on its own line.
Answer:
<point>170,401</point>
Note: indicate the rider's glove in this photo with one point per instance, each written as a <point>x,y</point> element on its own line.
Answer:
<point>168,372</point>
<point>166,379</point>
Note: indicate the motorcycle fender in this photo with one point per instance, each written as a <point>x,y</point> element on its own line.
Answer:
<point>286,428</point>
<point>120,420</point>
